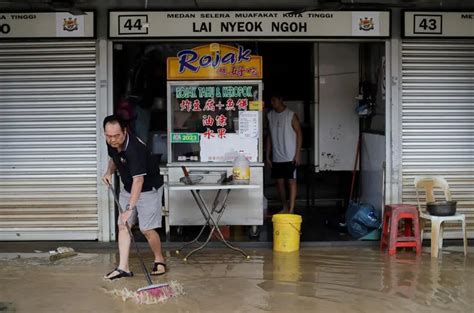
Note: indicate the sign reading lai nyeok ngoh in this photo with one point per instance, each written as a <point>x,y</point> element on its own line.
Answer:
<point>245,24</point>
<point>214,62</point>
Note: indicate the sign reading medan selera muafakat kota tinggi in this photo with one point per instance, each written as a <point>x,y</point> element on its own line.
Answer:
<point>206,24</point>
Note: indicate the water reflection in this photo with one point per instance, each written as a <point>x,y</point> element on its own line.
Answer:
<point>286,266</point>
<point>401,274</point>
<point>347,276</point>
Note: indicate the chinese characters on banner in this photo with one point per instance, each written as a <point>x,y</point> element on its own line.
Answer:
<point>216,105</point>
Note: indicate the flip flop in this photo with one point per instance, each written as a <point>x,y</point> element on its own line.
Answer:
<point>154,270</point>
<point>121,273</point>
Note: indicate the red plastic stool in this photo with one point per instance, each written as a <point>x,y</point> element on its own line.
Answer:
<point>393,213</point>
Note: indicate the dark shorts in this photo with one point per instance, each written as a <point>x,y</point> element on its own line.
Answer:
<point>286,170</point>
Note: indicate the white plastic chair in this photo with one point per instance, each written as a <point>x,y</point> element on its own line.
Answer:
<point>428,183</point>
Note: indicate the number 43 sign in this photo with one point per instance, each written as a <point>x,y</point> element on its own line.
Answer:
<point>133,24</point>
<point>438,24</point>
<point>427,24</point>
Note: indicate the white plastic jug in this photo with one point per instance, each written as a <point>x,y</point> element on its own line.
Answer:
<point>241,169</point>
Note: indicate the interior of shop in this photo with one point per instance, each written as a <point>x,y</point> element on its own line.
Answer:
<point>337,91</point>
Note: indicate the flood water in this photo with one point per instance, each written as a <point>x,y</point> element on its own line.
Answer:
<point>335,279</point>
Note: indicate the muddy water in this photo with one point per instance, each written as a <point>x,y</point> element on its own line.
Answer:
<point>314,280</point>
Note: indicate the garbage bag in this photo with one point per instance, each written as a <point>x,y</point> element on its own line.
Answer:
<point>361,219</point>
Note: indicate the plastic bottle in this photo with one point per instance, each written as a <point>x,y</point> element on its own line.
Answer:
<point>241,169</point>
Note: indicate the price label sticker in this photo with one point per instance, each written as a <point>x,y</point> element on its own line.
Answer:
<point>255,105</point>
<point>133,24</point>
<point>185,137</point>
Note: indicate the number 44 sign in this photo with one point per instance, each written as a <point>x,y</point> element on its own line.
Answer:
<point>133,24</point>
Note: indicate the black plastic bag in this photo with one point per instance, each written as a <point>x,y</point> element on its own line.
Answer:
<point>361,219</point>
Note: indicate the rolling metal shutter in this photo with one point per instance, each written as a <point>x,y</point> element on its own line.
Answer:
<point>438,119</point>
<point>48,135</point>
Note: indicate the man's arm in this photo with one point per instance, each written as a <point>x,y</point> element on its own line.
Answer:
<point>137,185</point>
<point>136,190</point>
<point>111,168</point>
<point>136,157</point>
<point>268,148</point>
<point>295,123</point>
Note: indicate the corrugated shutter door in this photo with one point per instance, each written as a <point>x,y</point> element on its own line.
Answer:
<point>438,119</point>
<point>48,165</point>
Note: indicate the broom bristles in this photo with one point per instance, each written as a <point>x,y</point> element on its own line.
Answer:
<point>151,294</point>
<point>157,290</point>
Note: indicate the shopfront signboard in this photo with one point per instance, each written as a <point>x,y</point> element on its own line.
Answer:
<point>254,24</point>
<point>205,120</point>
<point>434,24</point>
<point>215,62</point>
<point>46,25</point>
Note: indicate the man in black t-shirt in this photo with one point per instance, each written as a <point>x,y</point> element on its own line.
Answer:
<point>143,190</point>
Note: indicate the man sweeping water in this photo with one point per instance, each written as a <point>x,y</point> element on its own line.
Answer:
<point>142,195</point>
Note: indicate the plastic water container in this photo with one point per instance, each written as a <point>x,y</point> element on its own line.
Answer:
<point>241,169</point>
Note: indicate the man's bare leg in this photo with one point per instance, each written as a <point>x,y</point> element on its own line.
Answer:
<point>155,244</point>
<point>124,250</point>
<point>280,184</point>
<point>293,192</point>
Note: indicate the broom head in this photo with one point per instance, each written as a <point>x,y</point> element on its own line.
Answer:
<point>158,291</point>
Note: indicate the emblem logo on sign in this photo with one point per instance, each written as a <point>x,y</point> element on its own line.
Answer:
<point>366,24</point>
<point>70,24</point>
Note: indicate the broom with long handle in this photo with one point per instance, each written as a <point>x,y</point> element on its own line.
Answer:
<point>157,290</point>
<point>354,172</point>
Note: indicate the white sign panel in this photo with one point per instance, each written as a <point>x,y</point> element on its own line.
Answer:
<point>226,149</point>
<point>248,124</point>
<point>439,24</point>
<point>187,24</point>
<point>46,25</point>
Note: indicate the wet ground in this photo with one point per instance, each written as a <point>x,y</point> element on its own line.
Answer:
<point>322,279</point>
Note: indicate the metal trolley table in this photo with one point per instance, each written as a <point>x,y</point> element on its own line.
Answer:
<point>218,207</point>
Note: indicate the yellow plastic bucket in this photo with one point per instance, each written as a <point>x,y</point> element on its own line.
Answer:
<point>286,232</point>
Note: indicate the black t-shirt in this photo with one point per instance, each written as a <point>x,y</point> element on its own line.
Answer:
<point>136,160</point>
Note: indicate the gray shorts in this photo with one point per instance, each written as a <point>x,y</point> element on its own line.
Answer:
<point>148,209</point>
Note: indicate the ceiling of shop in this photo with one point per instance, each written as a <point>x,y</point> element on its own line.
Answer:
<point>302,5</point>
